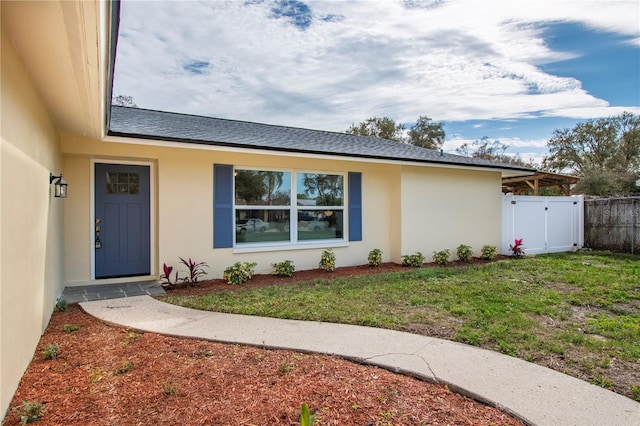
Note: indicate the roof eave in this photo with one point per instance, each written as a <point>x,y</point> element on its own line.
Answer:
<point>504,169</point>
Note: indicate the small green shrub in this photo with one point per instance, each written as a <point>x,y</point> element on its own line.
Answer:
<point>126,367</point>
<point>170,388</point>
<point>465,253</point>
<point>51,351</point>
<point>68,328</point>
<point>30,411</point>
<point>413,260</point>
<point>285,367</point>
<point>239,273</point>
<point>441,257</point>
<point>328,261</point>
<point>283,269</point>
<point>375,258</point>
<point>635,392</point>
<point>489,252</point>
<point>61,306</point>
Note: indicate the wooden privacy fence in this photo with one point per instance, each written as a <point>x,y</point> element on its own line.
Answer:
<point>612,224</point>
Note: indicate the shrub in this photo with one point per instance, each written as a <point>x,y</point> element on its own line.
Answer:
<point>30,411</point>
<point>375,258</point>
<point>239,273</point>
<point>61,306</point>
<point>328,261</point>
<point>635,392</point>
<point>68,328</point>
<point>441,257</point>
<point>51,351</point>
<point>166,276</point>
<point>170,388</point>
<point>126,367</point>
<point>195,270</point>
<point>489,252</point>
<point>414,260</point>
<point>283,269</point>
<point>465,253</point>
<point>516,249</point>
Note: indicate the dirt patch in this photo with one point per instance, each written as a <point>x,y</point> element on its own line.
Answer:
<point>106,375</point>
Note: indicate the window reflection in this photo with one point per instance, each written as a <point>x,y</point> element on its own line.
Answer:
<point>317,189</point>
<point>254,226</point>
<point>320,224</point>
<point>262,188</point>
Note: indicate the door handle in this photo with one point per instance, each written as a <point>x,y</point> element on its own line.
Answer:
<point>98,243</point>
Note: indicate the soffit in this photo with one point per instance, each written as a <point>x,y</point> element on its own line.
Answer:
<point>60,45</point>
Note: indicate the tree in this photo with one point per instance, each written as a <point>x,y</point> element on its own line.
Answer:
<point>425,132</point>
<point>494,151</point>
<point>604,152</point>
<point>272,181</point>
<point>384,127</point>
<point>124,100</point>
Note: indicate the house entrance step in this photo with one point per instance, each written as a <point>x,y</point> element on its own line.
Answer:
<point>88,293</point>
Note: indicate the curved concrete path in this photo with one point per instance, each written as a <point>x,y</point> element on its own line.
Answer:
<point>537,395</point>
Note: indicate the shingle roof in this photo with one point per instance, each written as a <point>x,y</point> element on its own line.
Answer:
<point>169,126</point>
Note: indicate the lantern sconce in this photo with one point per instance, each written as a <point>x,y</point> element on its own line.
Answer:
<point>60,186</point>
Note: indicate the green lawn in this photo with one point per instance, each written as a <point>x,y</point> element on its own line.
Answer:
<point>575,312</point>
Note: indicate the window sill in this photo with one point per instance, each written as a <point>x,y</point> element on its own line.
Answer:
<point>288,246</point>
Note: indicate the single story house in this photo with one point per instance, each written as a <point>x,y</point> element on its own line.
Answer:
<point>146,187</point>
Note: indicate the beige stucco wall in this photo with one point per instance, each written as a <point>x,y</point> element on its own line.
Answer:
<point>31,275</point>
<point>183,207</point>
<point>405,208</point>
<point>443,208</point>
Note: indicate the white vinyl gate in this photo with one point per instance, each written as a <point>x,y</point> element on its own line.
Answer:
<point>546,224</point>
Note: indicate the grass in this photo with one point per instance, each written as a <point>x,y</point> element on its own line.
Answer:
<point>575,312</point>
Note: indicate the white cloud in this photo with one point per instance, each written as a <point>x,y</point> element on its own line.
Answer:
<point>453,60</point>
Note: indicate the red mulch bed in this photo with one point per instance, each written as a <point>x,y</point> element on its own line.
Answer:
<point>209,286</point>
<point>173,381</point>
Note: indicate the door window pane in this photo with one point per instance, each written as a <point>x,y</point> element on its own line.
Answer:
<point>123,183</point>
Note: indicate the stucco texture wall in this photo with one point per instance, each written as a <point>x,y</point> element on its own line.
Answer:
<point>31,220</point>
<point>405,208</point>
<point>183,205</point>
<point>443,208</point>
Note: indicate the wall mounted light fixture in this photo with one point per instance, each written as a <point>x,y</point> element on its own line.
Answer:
<point>60,186</point>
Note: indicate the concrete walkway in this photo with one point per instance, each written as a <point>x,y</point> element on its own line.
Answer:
<point>537,395</point>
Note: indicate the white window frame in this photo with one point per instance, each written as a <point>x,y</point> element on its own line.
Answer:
<point>293,208</point>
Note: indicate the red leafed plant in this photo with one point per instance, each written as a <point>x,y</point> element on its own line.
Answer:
<point>516,249</point>
<point>167,276</point>
<point>195,270</point>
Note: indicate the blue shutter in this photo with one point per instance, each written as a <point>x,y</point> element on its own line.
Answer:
<point>355,206</point>
<point>222,206</point>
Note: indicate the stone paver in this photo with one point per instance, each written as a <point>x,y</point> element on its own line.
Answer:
<point>89,293</point>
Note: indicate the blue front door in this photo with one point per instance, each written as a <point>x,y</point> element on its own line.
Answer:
<point>122,215</point>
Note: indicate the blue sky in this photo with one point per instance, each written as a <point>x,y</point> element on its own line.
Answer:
<point>510,70</point>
